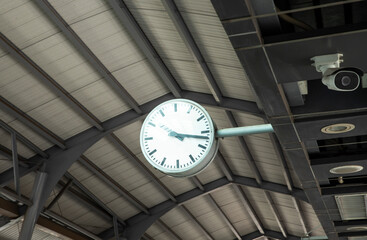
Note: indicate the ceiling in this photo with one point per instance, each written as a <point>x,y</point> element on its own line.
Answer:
<point>77,78</point>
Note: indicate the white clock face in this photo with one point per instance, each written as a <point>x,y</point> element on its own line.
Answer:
<point>178,138</point>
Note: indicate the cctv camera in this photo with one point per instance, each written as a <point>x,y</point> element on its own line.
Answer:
<point>334,77</point>
<point>344,79</point>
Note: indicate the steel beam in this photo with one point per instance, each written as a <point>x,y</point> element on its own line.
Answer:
<point>273,100</point>
<point>224,217</point>
<point>23,139</point>
<point>38,128</point>
<point>112,183</point>
<point>71,225</point>
<point>127,152</point>
<point>48,81</point>
<point>58,196</point>
<point>95,199</point>
<point>131,25</point>
<point>116,228</point>
<point>249,208</point>
<point>167,230</point>
<point>197,223</point>
<point>15,162</point>
<point>34,210</point>
<point>83,49</point>
<point>186,36</point>
<point>288,179</point>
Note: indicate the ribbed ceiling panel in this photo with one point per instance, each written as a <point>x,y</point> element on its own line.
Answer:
<point>212,40</point>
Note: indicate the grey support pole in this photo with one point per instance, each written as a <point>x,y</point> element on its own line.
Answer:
<point>34,210</point>
<point>15,162</point>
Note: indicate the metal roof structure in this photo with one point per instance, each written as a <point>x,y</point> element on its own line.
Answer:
<point>77,78</point>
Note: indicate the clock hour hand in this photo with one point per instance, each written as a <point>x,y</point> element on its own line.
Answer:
<point>174,134</point>
<point>169,131</point>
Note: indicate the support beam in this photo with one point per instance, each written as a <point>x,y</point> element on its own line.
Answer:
<point>34,210</point>
<point>132,26</point>
<point>272,98</point>
<point>168,230</point>
<point>38,128</point>
<point>275,213</point>
<point>116,228</point>
<point>15,163</point>
<point>58,196</point>
<point>23,139</point>
<point>83,49</point>
<point>186,36</point>
<point>48,81</point>
<point>95,199</point>
<point>249,208</point>
<point>127,152</point>
<point>112,183</point>
<point>197,223</point>
<point>224,217</point>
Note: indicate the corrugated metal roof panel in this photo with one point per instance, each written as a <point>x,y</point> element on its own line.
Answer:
<point>232,207</point>
<point>205,213</point>
<point>178,221</point>
<point>216,48</point>
<point>160,30</point>
<point>261,207</point>
<point>24,24</point>
<point>5,140</point>
<point>5,164</point>
<point>103,192</point>
<point>92,222</point>
<point>74,11</point>
<point>58,58</point>
<point>141,81</point>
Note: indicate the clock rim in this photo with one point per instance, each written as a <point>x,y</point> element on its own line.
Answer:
<point>203,162</point>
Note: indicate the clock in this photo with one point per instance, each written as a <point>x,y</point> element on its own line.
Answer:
<point>178,138</point>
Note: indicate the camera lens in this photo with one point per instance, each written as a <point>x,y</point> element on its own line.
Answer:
<point>346,81</point>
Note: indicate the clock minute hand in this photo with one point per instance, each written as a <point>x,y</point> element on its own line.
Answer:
<point>174,134</point>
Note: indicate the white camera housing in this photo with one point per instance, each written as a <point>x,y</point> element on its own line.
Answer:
<point>334,77</point>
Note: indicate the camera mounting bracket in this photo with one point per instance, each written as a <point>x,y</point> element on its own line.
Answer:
<point>324,62</point>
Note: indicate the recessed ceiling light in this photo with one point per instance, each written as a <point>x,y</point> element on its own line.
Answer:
<point>357,228</point>
<point>338,128</point>
<point>347,169</point>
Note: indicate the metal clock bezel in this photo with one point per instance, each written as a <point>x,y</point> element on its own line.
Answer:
<point>205,159</point>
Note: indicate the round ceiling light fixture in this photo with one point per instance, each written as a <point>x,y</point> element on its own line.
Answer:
<point>347,169</point>
<point>361,228</point>
<point>338,128</point>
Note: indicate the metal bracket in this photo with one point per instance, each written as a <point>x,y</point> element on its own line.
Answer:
<point>324,62</point>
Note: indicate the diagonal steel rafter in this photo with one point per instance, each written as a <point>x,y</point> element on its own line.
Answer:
<point>168,230</point>
<point>48,81</point>
<point>37,127</point>
<point>127,152</point>
<point>23,139</point>
<point>112,183</point>
<point>83,49</point>
<point>128,21</point>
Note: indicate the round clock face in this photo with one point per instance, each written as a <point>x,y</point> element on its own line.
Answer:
<point>178,138</point>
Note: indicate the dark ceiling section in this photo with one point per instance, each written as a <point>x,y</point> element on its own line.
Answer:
<point>274,59</point>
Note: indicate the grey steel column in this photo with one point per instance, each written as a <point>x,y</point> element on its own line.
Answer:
<point>33,211</point>
<point>15,162</point>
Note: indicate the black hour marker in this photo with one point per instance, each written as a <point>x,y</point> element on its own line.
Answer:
<point>200,118</point>
<point>178,163</point>
<point>192,158</point>
<point>161,113</point>
<point>152,151</point>
<point>150,123</point>
<point>206,131</point>
<point>175,107</point>
<point>164,159</point>
<point>148,138</point>
<point>189,109</point>
<point>203,147</point>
